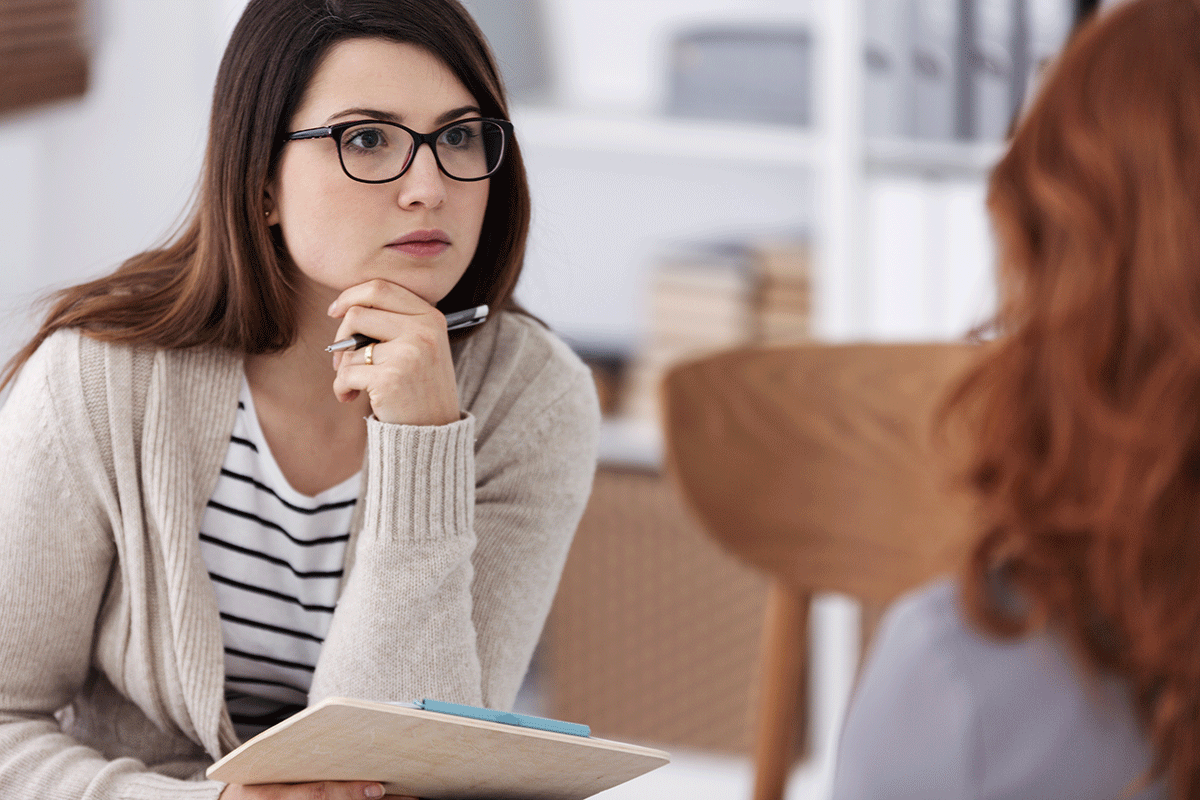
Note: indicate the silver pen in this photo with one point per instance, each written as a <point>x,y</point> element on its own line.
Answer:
<point>454,321</point>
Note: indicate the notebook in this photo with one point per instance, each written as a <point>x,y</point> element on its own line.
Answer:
<point>454,752</point>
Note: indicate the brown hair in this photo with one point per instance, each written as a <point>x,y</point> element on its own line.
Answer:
<point>1086,410</point>
<point>226,279</point>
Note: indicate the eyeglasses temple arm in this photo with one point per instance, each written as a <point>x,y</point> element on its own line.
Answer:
<point>311,133</point>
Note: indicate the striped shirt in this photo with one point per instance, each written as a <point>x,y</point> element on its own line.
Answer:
<point>275,557</point>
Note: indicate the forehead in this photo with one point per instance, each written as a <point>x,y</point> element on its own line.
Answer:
<point>403,79</point>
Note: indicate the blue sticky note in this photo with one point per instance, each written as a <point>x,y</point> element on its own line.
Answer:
<point>505,717</point>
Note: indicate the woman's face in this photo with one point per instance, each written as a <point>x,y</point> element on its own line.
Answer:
<point>420,230</point>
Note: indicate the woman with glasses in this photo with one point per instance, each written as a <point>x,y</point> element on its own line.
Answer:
<point>1065,661</point>
<point>208,521</point>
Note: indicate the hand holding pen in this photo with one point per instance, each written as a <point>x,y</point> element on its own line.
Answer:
<point>454,321</point>
<point>392,346</point>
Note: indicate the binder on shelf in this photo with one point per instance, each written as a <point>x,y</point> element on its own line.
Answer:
<point>993,64</point>
<point>1049,26</point>
<point>887,89</point>
<point>743,73</point>
<point>935,47</point>
<point>413,749</point>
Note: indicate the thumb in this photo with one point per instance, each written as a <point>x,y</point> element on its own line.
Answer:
<point>352,790</point>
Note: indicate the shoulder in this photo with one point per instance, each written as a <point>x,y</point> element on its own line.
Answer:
<point>924,617</point>
<point>923,632</point>
<point>96,384</point>
<point>72,397</point>
<point>988,717</point>
<point>515,365</point>
<point>77,373</point>
<point>517,347</point>
<point>911,730</point>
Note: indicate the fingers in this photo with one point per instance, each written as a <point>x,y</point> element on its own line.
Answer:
<point>325,790</point>
<point>410,379</point>
<point>380,294</point>
<point>384,325</point>
<point>383,311</point>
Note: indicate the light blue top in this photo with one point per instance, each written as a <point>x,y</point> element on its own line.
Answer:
<point>943,712</point>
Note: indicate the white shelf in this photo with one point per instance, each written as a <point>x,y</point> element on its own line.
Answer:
<point>674,138</point>
<point>670,138</point>
<point>632,444</point>
<point>967,159</point>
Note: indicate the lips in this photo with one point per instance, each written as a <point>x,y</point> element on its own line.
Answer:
<point>421,243</point>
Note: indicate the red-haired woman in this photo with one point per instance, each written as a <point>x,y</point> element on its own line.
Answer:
<point>1065,663</point>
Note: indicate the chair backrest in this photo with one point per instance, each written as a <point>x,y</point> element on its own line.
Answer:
<point>818,463</point>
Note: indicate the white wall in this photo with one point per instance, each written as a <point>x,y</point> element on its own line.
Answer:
<point>89,182</point>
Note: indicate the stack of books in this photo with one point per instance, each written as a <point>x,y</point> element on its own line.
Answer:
<point>783,307</point>
<point>706,298</point>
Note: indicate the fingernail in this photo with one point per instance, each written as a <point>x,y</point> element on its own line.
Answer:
<point>330,313</point>
<point>374,791</point>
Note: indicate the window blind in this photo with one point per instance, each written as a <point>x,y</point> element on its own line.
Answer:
<point>41,52</point>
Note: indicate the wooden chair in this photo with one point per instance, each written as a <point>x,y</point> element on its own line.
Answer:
<point>817,465</point>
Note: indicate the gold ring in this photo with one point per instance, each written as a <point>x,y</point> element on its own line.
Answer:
<point>369,353</point>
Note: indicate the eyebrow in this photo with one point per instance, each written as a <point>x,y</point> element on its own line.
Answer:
<point>387,116</point>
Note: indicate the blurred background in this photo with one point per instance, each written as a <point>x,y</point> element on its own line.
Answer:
<point>706,173</point>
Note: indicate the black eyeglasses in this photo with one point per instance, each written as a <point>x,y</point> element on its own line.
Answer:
<point>373,151</point>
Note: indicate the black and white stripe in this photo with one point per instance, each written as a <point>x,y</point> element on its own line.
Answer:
<point>275,557</point>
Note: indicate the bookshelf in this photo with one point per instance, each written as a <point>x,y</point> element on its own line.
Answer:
<point>820,179</point>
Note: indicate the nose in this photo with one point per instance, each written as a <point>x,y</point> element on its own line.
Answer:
<point>422,184</point>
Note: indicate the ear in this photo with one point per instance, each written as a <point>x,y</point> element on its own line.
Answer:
<point>270,211</point>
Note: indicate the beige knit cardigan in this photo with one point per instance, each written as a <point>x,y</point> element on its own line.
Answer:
<point>111,662</point>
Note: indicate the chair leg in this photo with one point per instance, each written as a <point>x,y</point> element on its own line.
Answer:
<point>782,706</point>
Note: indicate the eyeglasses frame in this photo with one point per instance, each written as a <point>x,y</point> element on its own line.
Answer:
<point>335,132</point>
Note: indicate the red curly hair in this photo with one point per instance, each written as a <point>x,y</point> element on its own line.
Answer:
<point>1085,412</point>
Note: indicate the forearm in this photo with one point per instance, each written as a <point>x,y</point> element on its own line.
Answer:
<point>526,515</point>
<point>403,625</point>
<point>38,760</point>
<point>460,553</point>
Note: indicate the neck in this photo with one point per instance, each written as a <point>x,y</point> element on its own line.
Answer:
<point>316,441</point>
<point>300,378</point>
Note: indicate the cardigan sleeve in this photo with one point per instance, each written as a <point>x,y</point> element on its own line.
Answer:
<point>55,562</point>
<point>526,516</point>
<point>464,538</point>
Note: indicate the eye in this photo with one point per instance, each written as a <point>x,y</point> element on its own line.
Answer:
<point>458,136</point>
<point>364,139</point>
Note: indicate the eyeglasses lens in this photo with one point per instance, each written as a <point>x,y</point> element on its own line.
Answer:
<point>379,151</point>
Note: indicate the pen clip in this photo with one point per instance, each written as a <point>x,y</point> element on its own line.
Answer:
<point>471,323</point>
